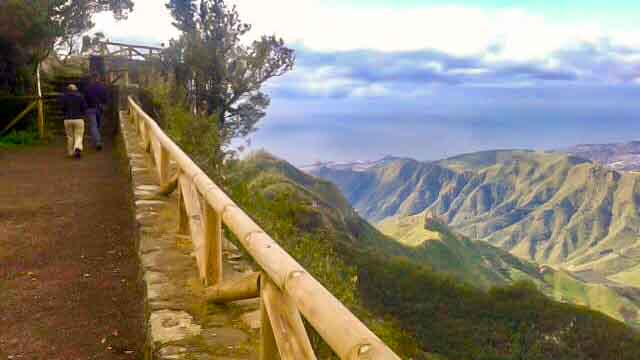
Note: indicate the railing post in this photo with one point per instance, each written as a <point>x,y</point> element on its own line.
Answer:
<point>213,245</point>
<point>40,105</point>
<point>131,112</point>
<point>146,139</point>
<point>268,346</point>
<point>183,217</point>
<point>285,323</point>
<point>41,125</point>
<point>163,166</point>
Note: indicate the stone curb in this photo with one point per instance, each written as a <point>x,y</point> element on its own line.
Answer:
<point>179,322</point>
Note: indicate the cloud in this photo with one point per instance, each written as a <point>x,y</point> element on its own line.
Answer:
<point>349,52</point>
<point>148,24</point>
<point>517,34</point>
<point>370,73</point>
<point>512,33</point>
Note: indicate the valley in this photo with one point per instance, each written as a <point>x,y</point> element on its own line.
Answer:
<point>570,223</point>
<point>427,290</point>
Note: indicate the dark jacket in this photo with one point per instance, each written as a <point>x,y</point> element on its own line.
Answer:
<point>74,105</point>
<point>97,95</point>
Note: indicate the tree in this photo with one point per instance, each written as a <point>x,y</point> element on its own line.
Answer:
<point>35,28</point>
<point>183,11</point>
<point>224,76</point>
<point>69,19</point>
<point>92,43</point>
<point>23,32</point>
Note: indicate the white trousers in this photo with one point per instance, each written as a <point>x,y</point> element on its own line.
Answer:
<point>75,134</point>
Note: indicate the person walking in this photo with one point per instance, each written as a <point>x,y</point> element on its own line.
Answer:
<point>97,96</point>
<point>74,108</point>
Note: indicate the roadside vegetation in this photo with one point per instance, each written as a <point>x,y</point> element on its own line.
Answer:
<point>19,138</point>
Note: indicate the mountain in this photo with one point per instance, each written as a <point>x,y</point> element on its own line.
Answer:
<point>361,165</point>
<point>546,207</point>
<point>321,206</point>
<point>619,156</point>
<point>393,286</point>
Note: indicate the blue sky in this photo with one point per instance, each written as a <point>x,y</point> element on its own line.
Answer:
<point>434,78</point>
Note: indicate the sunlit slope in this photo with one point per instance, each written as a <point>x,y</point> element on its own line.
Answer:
<point>617,302</point>
<point>483,265</point>
<point>546,207</point>
<point>478,263</point>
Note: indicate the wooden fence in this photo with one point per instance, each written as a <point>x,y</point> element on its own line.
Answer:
<point>287,292</point>
<point>36,102</point>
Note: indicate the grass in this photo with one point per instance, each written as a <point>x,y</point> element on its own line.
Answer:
<point>566,288</point>
<point>408,230</point>
<point>630,277</point>
<point>19,138</point>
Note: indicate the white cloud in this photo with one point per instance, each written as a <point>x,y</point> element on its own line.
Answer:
<point>516,34</point>
<point>149,23</point>
<point>372,90</point>
<point>456,30</point>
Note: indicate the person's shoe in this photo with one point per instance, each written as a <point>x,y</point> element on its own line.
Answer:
<point>77,154</point>
<point>99,147</point>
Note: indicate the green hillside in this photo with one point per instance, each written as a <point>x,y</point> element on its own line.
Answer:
<point>408,304</point>
<point>546,207</point>
<point>485,266</point>
<point>475,262</point>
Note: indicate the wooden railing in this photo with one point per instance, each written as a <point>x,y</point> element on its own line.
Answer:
<point>287,292</point>
<point>36,102</point>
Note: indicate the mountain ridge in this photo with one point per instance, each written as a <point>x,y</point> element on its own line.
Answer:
<point>543,206</point>
<point>404,285</point>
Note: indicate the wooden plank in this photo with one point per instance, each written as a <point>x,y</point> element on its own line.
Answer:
<point>19,117</point>
<point>213,244</point>
<point>286,324</point>
<point>134,46</point>
<point>163,166</point>
<point>196,226</point>
<point>156,154</point>
<point>183,217</point>
<point>41,126</point>
<point>268,346</point>
<point>170,186</point>
<point>247,287</point>
<point>40,104</point>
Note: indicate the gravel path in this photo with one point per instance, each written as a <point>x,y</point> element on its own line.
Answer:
<point>68,268</point>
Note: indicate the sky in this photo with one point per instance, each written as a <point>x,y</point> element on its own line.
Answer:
<point>430,79</point>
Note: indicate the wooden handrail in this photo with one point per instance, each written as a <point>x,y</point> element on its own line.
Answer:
<point>133,46</point>
<point>207,207</point>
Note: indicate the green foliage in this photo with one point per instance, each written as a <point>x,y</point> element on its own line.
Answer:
<point>90,43</point>
<point>19,138</point>
<point>197,135</point>
<point>31,29</point>
<point>513,322</point>
<point>224,74</point>
<point>183,11</point>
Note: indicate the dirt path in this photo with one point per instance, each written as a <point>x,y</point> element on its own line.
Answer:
<point>68,268</point>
